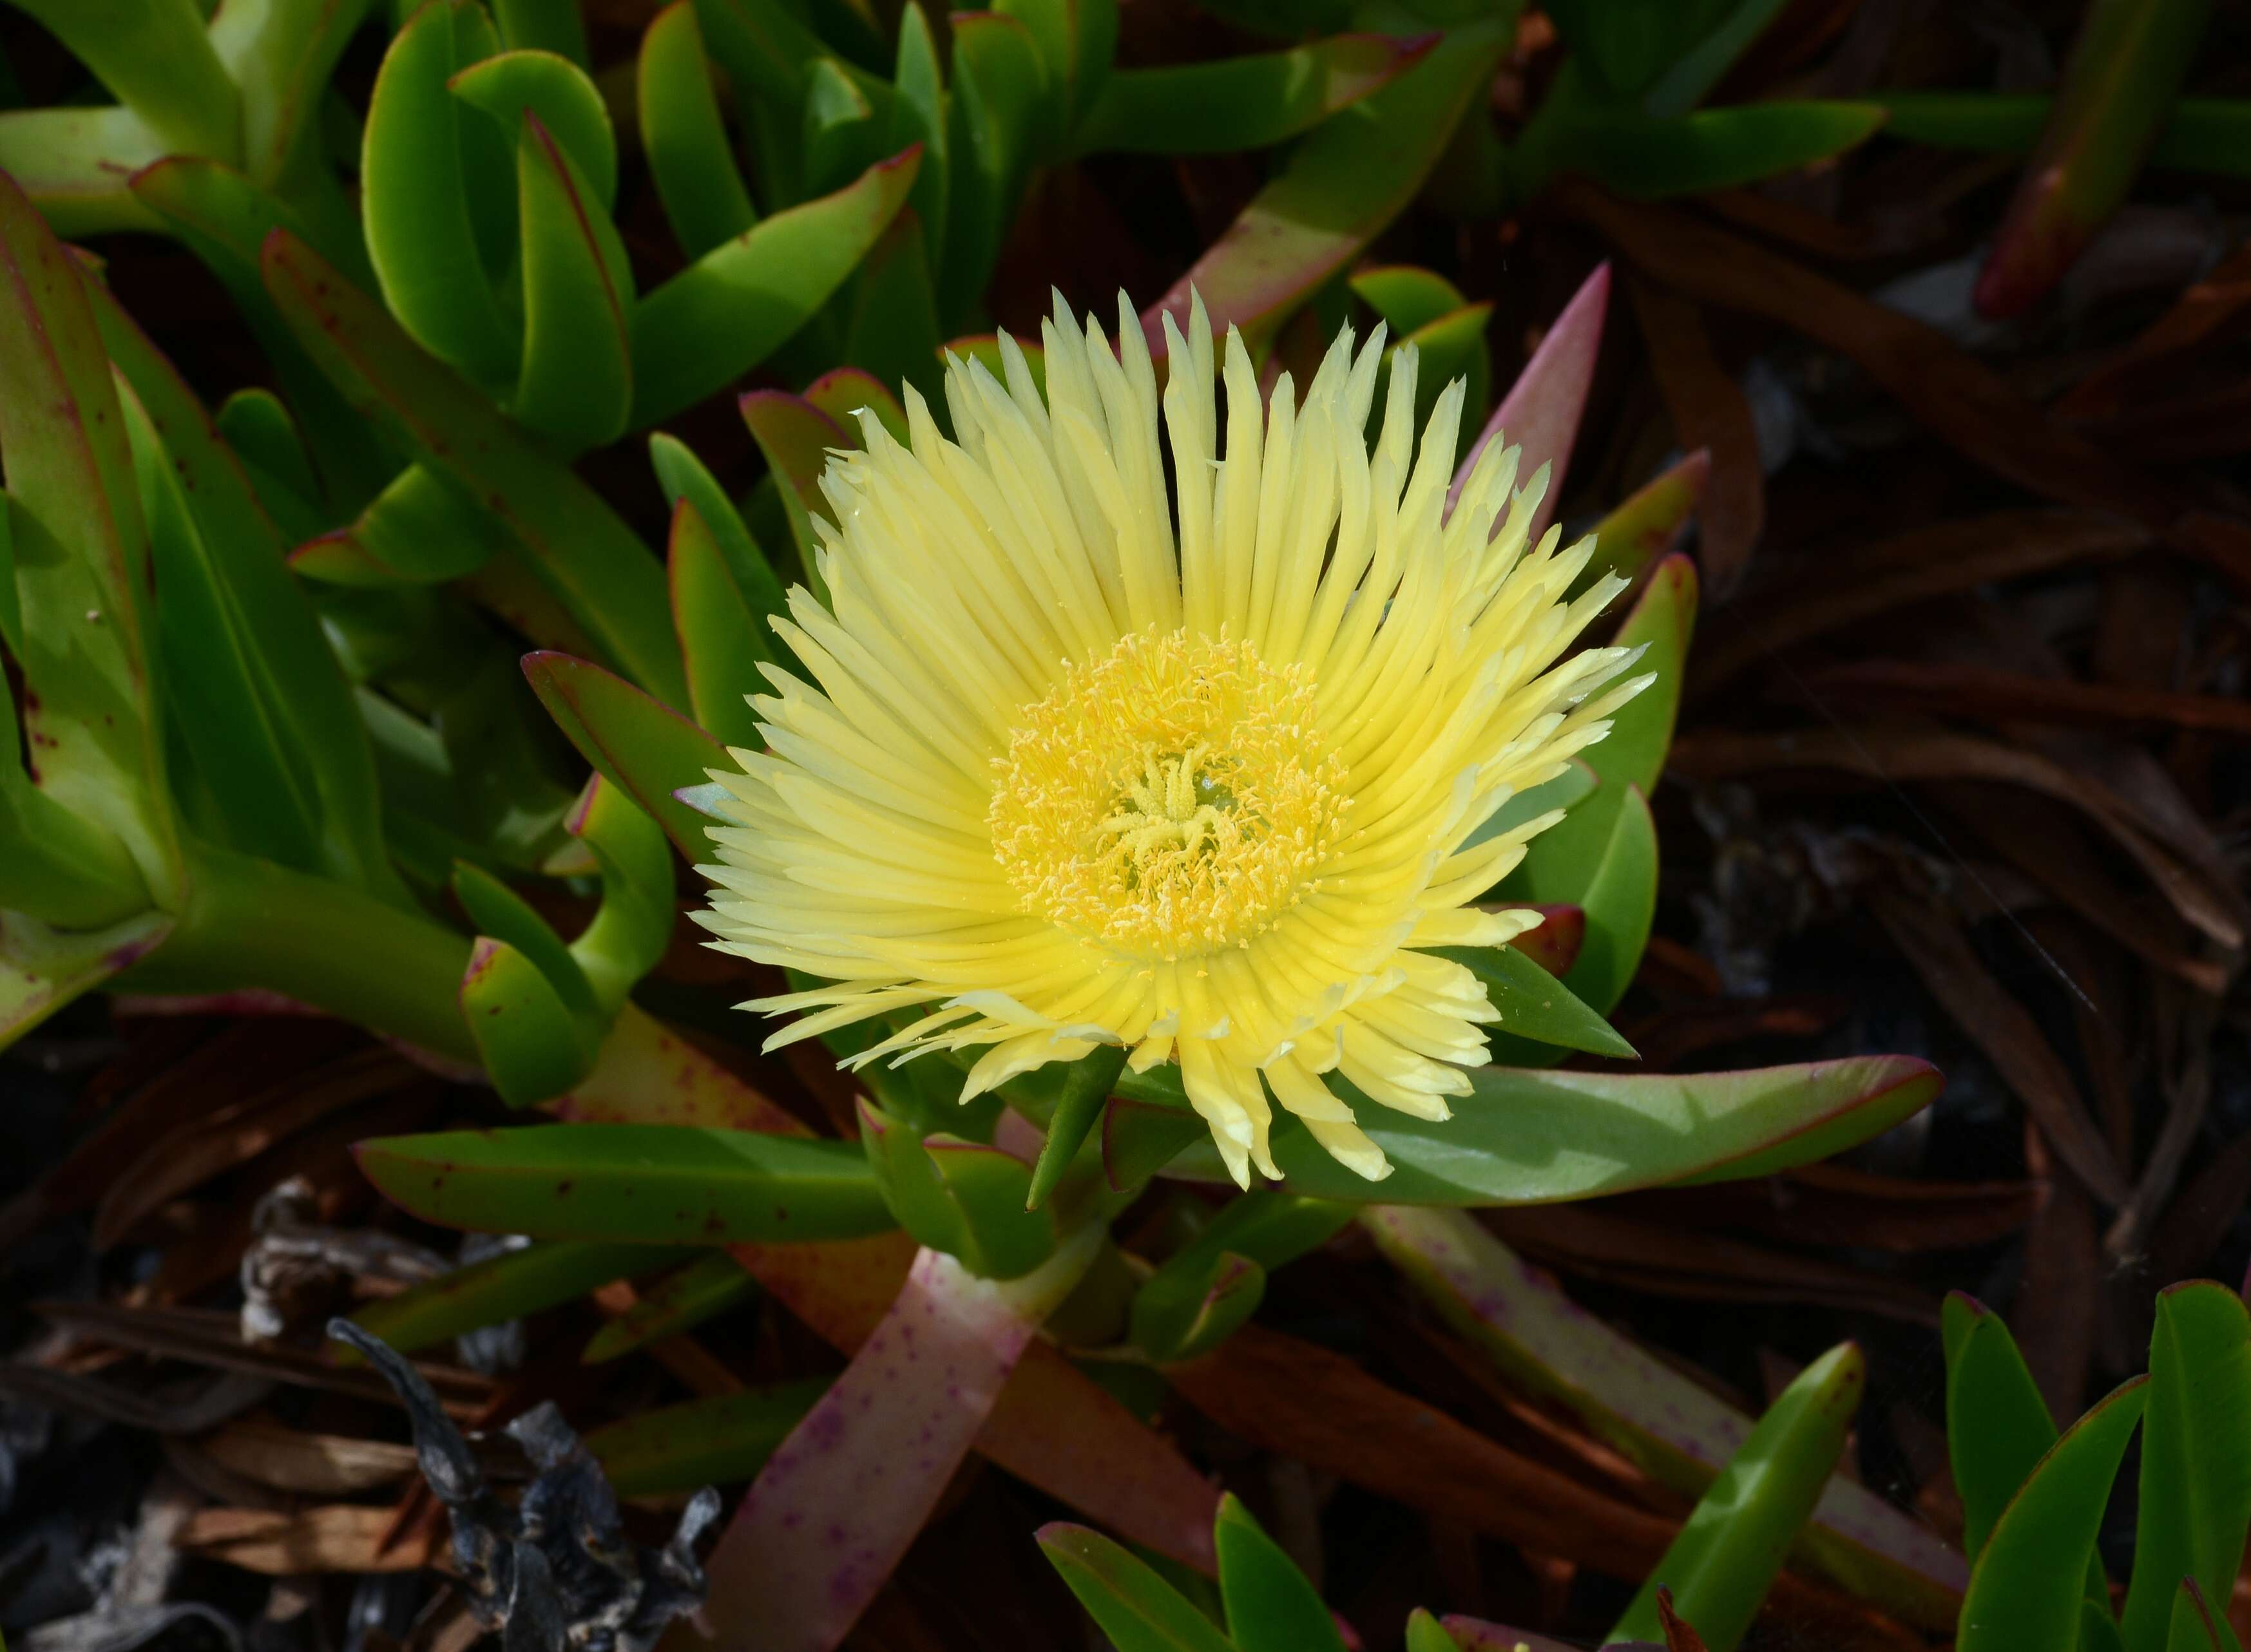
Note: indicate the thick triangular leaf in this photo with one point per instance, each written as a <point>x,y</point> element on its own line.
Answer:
<point>1270,1607</point>
<point>646,1184</point>
<point>1725,1559</point>
<point>636,742</point>
<point>1135,1607</point>
<point>2030,1580</point>
<point>1676,1431</point>
<point>2195,1502</point>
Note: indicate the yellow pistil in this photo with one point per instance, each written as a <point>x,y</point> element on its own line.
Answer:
<point>1170,797</point>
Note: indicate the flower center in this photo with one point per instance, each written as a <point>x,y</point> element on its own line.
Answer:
<point>1170,798</point>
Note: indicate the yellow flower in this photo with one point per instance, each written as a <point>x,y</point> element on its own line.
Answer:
<point>1206,779</point>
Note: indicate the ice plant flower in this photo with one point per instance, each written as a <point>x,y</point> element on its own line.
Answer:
<point>1206,776</point>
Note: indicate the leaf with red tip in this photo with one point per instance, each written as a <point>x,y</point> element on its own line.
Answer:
<point>842,392</point>
<point>2131,59</point>
<point>634,739</point>
<point>1649,522</point>
<point>1344,184</point>
<point>1554,945</point>
<point>1540,416</point>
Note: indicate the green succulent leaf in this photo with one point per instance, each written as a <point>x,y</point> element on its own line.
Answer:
<point>281,58</point>
<point>1997,1425</point>
<point>1692,74</point>
<point>1426,1634</point>
<point>691,158</point>
<point>1536,1137</point>
<point>242,746</point>
<point>845,394</point>
<point>1087,1088</point>
<point>76,165</point>
<point>423,529</point>
<point>1451,346</point>
<point>1210,1287</point>
<point>2126,66</point>
<point>1139,1139</point>
<point>2195,1627</point>
<point>1076,40</point>
<point>633,926</point>
<point>543,25</point>
<point>724,1438</point>
<point>1730,1553</point>
<point>1619,898</point>
<point>1535,1005</point>
<point>534,1042</point>
<point>892,330</point>
<point>723,642</point>
<point>2030,1582</point>
<point>224,218</point>
<point>1244,102</point>
<point>633,740</point>
<point>683,476</point>
<point>242,618</point>
<point>555,93</point>
<point>575,385</point>
<point>999,87</point>
<point>839,135</point>
<point>1135,1607</point>
<point>1602,856</point>
<point>507,1287</point>
<point>576,548</point>
<point>500,913</point>
<point>1270,1607</point>
<point>963,1198</point>
<point>1405,295</point>
<point>730,309</point>
<point>796,437</point>
<point>2195,1502</point>
<point>1675,1430</point>
<point>257,427</point>
<point>646,1184</point>
<point>2200,134</point>
<point>80,548</point>
<point>431,175</point>
<point>1655,160</point>
<point>1648,522</point>
<point>705,1288</point>
<point>918,117</point>
<point>1343,184</point>
<point>156,56</point>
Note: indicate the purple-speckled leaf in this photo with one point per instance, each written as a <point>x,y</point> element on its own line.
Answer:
<point>1675,1431</point>
<point>838,1502</point>
<point>1540,413</point>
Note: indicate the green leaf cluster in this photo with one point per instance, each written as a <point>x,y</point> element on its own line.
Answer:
<point>2034,1501</point>
<point>1716,1572</point>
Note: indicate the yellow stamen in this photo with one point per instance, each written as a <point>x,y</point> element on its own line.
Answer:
<point>1170,797</point>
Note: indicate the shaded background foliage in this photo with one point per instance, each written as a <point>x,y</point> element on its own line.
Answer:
<point>1959,774</point>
